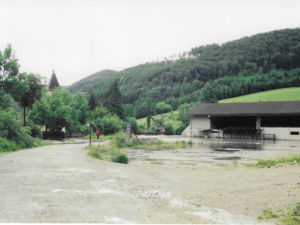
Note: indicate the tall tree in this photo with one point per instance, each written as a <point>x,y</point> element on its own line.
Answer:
<point>113,99</point>
<point>27,91</point>
<point>9,67</point>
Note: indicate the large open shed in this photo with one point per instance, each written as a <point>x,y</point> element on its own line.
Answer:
<point>276,120</point>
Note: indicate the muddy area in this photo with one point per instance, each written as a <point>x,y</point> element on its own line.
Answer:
<point>214,152</point>
<point>62,184</point>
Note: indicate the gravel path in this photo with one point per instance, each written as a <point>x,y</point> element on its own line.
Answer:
<point>61,183</point>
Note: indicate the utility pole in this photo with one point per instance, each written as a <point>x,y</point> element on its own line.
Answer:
<point>92,105</point>
<point>90,127</point>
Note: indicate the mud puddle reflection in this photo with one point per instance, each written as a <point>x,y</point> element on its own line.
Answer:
<point>214,152</point>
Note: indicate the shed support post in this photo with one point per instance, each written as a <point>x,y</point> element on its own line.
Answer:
<point>258,120</point>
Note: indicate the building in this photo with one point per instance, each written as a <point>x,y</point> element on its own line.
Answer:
<point>261,120</point>
<point>53,83</point>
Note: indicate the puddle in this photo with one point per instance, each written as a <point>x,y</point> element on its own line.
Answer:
<point>228,158</point>
<point>214,152</point>
<point>235,146</point>
<point>101,191</point>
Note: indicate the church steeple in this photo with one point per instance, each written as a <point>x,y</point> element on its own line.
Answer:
<point>53,83</point>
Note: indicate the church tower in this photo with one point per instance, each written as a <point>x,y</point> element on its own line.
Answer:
<point>53,83</point>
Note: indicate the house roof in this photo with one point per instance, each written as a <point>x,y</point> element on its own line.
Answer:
<point>247,108</point>
<point>53,83</point>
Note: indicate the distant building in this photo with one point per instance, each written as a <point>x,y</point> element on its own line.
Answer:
<point>53,83</point>
<point>261,120</point>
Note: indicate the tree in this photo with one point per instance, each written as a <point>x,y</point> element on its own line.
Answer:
<point>57,110</point>
<point>9,67</point>
<point>113,99</point>
<point>207,94</point>
<point>26,91</point>
<point>162,107</point>
<point>150,111</point>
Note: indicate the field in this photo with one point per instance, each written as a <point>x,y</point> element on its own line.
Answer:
<point>282,94</point>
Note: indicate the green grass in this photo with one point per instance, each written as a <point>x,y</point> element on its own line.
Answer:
<point>289,217</point>
<point>293,216</point>
<point>280,160</point>
<point>101,137</point>
<point>268,214</point>
<point>282,94</point>
<point>12,146</point>
<point>114,150</point>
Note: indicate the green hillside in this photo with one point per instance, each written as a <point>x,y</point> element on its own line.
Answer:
<point>249,63</point>
<point>282,94</point>
<point>85,83</point>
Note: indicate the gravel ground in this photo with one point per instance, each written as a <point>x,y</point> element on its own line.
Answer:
<point>61,183</point>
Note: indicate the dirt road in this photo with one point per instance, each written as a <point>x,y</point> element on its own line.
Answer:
<point>61,183</point>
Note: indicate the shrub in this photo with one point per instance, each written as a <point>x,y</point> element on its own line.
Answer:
<point>109,124</point>
<point>169,130</point>
<point>181,128</point>
<point>35,130</point>
<point>162,107</point>
<point>120,158</point>
<point>119,140</point>
<point>12,130</point>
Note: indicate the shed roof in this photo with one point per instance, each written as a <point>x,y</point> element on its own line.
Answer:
<point>247,108</point>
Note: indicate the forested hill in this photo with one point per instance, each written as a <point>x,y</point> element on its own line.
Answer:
<point>87,82</point>
<point>180,81</point>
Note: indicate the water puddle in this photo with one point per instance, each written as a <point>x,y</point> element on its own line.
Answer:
<point>101,191</point>
<point>228,158</point>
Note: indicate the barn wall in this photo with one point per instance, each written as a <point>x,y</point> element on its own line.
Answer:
<point>283,133</point>
<point>199,123</point>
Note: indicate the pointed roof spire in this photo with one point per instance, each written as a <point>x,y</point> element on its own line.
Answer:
<point>53,83</point>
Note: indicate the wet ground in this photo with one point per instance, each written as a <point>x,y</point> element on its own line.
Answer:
<point>62,184</point>
<point>214,152</point>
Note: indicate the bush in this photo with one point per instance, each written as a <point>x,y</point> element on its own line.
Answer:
<point>13,134</point>
<point>180,129</point>
<point>162,107</point>
<point>119,140</point>
<point>169,130</point>
<point>35,130</point>
<point>109,124</point>
<point>120,158</point>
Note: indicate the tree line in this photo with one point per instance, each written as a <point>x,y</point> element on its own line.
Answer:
<point>176,82</point>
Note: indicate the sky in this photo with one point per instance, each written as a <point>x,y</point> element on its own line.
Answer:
<point>81,37</point>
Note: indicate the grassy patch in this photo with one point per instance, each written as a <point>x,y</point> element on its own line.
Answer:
<point>114,150</point>
<point>293,216</point>
<point>282,94</point>
<point>292,159</point>
<point>7,146</point>
<point>121,141</point>
<point>101,137</point>
<point>268,214</point>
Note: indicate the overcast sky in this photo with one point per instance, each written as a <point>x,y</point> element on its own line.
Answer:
<point>81,37</point>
